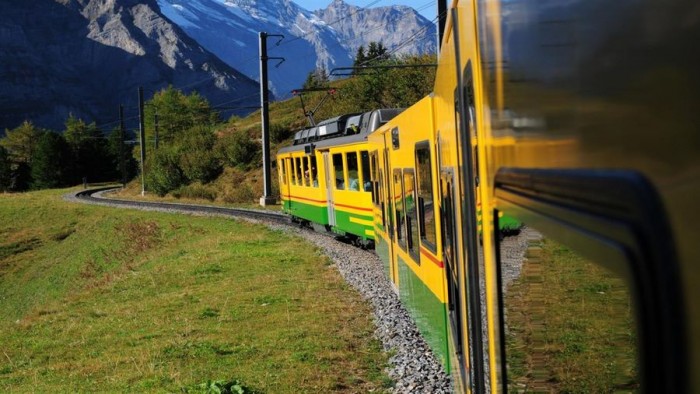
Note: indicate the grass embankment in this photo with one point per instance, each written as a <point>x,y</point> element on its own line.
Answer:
<point>100,299</point>
<point>570,326</point>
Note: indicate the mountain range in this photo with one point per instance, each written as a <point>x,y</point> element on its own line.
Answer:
<point>322,39</point>
<point>86,57</point>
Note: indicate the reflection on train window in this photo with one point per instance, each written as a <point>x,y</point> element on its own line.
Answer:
<point>398,208</point>
<point>411,214</point>
<point>297,170</point>
<point>292,171</point>
<point>338,171</point>
<point>426,209</point>
<point>353,171</point>
<point>366,178</point>
<point>569,323</point>
<point>314,172</point>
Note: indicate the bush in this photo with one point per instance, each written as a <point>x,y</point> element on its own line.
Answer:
<point>198,160</point>
<point>238,149</point>
<point>163,173</point>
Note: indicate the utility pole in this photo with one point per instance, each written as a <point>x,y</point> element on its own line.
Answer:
<point>142,142</point>
<point>267,198</point>
<point>122,162</point>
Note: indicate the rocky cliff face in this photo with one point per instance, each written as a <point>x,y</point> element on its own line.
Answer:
<point>88,56</point>
<point>322,39</point>
<point>399,28</point>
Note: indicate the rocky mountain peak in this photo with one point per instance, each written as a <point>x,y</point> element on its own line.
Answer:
<point>86,57</point>
<point>326,38</point>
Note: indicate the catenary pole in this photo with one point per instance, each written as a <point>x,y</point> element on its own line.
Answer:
<point>267,198</point>
<point>142,142</point>
<point>122,137</point>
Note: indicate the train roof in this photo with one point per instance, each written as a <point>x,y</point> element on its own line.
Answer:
<point>342,129</point>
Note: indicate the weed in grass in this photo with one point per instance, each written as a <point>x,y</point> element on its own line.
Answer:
<point>220,387</point>
<point>209,312</point>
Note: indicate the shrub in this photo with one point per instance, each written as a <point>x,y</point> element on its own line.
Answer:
<point>163,174</point>
<point>238,149</point>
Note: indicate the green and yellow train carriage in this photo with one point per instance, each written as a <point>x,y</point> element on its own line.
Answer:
<point>325,177</point>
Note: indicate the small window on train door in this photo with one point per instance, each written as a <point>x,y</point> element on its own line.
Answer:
<point>380,196</point>
<point>338,171</point>
<point>298,171</point>
<point>314,172</point>
<point>411,215</point>
<point>353,171</point>
<point>283,172</point>
<point>366,180</point>
<point>375,178</point>
<point>304,171</point>
<point>292,171</point>
<point>426,201</point>
<point>398,203</point>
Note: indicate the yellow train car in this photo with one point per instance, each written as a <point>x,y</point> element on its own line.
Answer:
<point>555,115</point>
<point>406,222</point>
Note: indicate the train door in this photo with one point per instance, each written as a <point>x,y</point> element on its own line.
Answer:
<point>450,256</point>
<point>465,125</point>
<point>390,216</point>
<point>330,182</point>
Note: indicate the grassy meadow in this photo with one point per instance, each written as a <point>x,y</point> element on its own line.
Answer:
<point>97,299</point>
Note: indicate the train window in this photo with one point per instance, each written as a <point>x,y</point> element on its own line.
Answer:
<point>338,171</point>
<point>569,323</point>
<point>304,171</point>
<point>298,170</point>
<point>426,207</point>
<point>411,215</point>
<point>283,172</point>
<point>380,196</point>
<point>398,203</point>
<point>366,178</point>
<point>376,182</point>
<point>353,171</point>
<point>292,171</point>
<point>314,171</point>
<point>395,138</point>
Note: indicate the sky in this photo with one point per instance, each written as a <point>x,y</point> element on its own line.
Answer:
<point>427,8</point>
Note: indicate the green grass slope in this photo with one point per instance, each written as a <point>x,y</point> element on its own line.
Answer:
<point>97,299</point>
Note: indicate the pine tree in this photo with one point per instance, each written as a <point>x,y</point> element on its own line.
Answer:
<point>51,159</point>
<point>376,52</point>
<point>21,142</point>
<point>89,148</point>
<point>360,57</point>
